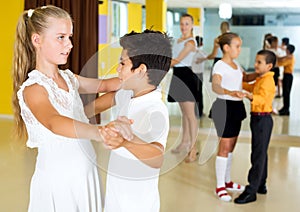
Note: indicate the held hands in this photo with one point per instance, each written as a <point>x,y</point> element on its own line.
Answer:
<point>122,125</point>
<point>241,94</point>
<point>238,94</point>
<point>115,133</point>
<point>111,139</point>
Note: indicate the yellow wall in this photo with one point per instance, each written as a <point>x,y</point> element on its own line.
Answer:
<point>156,14</point>
<point>134,17</point>
<point>195,12</point>
<point>9,15</point>
<point>108,60</point>
<point>103,8</point>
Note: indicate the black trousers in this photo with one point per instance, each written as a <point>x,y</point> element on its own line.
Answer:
<point>287,82</point>
<point>261,129</point>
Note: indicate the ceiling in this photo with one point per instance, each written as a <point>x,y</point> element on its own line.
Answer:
<point>239,6</point>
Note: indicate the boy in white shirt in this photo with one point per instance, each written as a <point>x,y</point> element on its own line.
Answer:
<point>134,165</point>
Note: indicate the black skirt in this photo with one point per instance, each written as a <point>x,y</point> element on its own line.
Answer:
<point>183,86</point>
<point>276,75</point>
<point>227,116</point>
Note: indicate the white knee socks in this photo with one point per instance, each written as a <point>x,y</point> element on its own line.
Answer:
<point>221,166</point>
<point>228,168</point>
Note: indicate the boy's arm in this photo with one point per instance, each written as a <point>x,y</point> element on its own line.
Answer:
<point>149,153</point>
<point>249,77</point>
<point>100,104</point>
<point>154,130</point>
<point>283,61</point>
<point>248,87</point>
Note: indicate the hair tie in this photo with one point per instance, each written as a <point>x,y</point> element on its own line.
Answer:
<point>30,12</point>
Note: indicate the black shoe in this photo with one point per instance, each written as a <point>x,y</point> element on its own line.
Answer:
<point>245,197</point>
<point>262,190</point>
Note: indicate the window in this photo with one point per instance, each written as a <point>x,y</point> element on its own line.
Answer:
<point>119,25</point>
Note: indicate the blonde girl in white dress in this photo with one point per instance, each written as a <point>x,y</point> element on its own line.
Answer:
<point>49,112</point>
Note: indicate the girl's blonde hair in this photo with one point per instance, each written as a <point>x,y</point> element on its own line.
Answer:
<point>24,61</point>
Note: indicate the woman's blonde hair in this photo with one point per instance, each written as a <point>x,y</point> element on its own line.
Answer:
<point>24,61</point>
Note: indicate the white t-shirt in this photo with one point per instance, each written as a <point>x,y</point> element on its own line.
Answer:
<point>198,68</point>
<point>131,185</point>
<point>231,78</point>
<point>278,52</point>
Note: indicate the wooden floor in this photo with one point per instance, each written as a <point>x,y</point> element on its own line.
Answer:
<point>183,187</point>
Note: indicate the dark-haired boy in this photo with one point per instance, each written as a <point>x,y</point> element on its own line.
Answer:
<point>261,124</point>
<point>134,165</point>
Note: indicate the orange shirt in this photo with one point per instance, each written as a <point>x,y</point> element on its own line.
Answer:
<point>263,90</point>
<point>288,64</point>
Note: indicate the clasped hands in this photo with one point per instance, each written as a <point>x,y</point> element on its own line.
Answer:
<point>241,94</point>
<point>115,133</point>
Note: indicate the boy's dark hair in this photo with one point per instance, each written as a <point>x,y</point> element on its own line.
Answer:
<point>285,41</point>
<point>290,48</point>
<point>269,56</point>
<point>152,48</point>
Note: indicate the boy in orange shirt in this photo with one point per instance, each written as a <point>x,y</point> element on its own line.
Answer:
<point>261,124</point>
<point>288,63</point>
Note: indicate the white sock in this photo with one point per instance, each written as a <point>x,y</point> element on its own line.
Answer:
<point>221,164</point>
<point>228,168</point>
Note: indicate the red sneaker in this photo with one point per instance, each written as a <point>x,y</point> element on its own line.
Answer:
<point>222,194</point>
<point>231,186</point>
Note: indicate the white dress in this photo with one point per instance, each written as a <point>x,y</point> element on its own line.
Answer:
<point>131,185</point>
<point>66,177</point>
